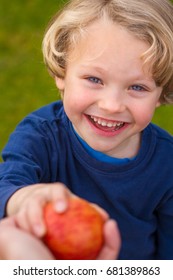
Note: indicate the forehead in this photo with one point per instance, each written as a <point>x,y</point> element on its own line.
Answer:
<point>108,43</point>
<point>104,34</point>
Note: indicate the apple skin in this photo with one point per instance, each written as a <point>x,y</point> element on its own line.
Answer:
<point>77,233</point>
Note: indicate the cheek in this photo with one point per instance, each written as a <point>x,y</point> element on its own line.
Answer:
<point>76,99</point>
<point>144,115</point>
<point>74,105</point>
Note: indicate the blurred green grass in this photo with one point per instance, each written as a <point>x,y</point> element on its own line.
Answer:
<point>24,81</point>
<point>25,84</point>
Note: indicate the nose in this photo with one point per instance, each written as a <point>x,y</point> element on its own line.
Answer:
<point>112,101</point>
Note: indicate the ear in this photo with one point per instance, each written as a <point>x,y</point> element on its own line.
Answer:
<point>158,104</point>
<point>60,83</point>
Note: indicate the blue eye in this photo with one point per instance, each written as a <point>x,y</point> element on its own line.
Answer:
<point>137,88</point>
<point>94,80</point>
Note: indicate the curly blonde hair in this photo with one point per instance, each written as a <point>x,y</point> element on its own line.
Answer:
<point>149,20</point>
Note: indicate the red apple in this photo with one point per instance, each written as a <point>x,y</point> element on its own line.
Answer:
<point>76,234</point>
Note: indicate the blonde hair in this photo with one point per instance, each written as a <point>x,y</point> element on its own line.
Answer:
<point>149,20</point>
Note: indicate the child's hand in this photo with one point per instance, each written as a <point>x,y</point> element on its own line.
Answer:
<point>16,244</point>
<point>29,214</point>
<point>27,205</point>
<point>111,248</point>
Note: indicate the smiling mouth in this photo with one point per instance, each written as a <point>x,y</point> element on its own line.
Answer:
<point>106,125</point>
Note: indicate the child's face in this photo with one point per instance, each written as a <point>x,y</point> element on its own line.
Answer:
<point>108,96</point>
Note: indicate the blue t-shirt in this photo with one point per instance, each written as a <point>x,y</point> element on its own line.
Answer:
<point>138,194</point>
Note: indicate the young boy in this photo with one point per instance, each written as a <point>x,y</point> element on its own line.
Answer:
<point>113,63</point>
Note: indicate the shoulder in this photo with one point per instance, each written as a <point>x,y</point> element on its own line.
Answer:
<point>46,116</point>
<point>161,135</point>
<point>41,125</point>
<point>50,112</point>
<point>161,144</point>
<point>156,147</point>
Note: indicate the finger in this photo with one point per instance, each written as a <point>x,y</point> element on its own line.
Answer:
<point>60,195</point>
<point>112,245</point>
<point>35,216</point>
<point>30,217</point>
<point>21,219</point>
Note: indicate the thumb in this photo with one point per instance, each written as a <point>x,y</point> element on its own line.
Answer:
<point>111,248</point>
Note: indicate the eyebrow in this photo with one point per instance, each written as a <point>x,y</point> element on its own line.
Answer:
<point>94,67</point>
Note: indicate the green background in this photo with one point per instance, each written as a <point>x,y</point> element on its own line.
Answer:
<point>25,84</point>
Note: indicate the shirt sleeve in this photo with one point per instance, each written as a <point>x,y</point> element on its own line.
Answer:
<point>26,158</point>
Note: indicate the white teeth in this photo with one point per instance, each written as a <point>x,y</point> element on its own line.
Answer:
<point>109,124</point>
<point>105,123</point>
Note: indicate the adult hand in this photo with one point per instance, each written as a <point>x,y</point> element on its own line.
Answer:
<point>16,244</point>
